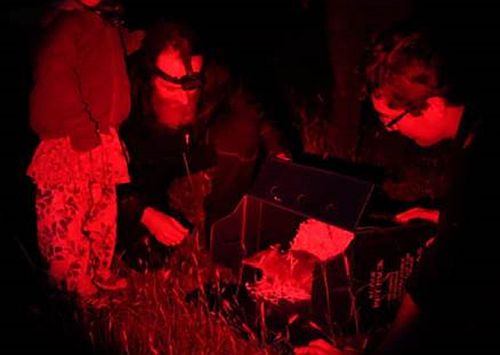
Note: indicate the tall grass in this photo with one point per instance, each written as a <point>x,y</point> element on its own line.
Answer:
<point>171,311</point>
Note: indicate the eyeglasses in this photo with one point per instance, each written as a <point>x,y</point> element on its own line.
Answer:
<point>190,81</point>
<point>398,118</point>
<point>413,108</point>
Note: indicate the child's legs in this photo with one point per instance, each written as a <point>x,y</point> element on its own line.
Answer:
<point>60,210</point>
<point>100,226</point>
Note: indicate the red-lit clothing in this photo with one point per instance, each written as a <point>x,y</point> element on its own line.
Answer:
<point>76,231</point>
<point>79,98</point>
<point>80,79</point>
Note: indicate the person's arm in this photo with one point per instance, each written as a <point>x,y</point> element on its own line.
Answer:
<point>144,202</point>
<point>136,209</point>
<point>230,180</point>
<point>415,213</point>
<point>402,329</point>
<point>251,113</point>
<point>236,143</point>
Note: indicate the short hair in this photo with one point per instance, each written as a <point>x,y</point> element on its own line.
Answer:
<point>406,67</point>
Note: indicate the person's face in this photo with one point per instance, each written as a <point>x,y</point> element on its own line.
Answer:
<point>174,105</point>
<point>425,127</point>
<point>90,3</point>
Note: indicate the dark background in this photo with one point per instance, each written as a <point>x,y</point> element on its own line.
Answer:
<point>310,47</point>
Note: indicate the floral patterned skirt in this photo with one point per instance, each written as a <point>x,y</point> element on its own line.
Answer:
<point>56,162</point>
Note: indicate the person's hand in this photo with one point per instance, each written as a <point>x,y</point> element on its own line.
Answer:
<point>283,156</point>
<point>417,213</point>
<point>322,347</point>
<point>134,40</point>
<point>166,229</point>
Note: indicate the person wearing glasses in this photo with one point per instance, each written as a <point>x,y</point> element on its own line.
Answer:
<point>194,139</point>
<point>419,115</point>
<point>451,302</point>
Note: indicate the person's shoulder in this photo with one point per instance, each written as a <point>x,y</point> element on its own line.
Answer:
<point>68,21</point>
<point>58,29</point>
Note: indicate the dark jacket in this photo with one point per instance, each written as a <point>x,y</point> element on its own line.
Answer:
<point>455,284</point>
<point>227,141</point>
